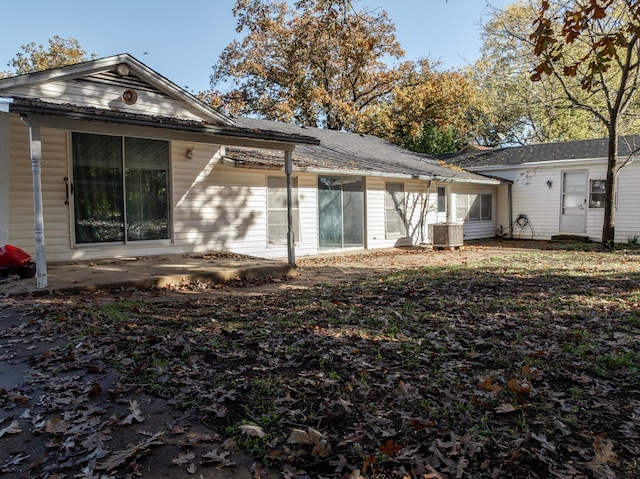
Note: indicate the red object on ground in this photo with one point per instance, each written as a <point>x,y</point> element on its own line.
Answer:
<point>10,256</point>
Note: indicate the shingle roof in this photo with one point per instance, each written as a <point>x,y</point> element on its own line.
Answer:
<point>345,151</point>
<point>568,150</point>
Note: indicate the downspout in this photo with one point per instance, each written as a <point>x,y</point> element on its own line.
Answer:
<point>510,201</point>
<point>288,169</point>
<point>35,144</point>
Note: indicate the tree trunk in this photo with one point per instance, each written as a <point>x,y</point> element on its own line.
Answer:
<point>608,226</point>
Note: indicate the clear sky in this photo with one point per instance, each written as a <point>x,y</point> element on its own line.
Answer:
<point>181,40</point>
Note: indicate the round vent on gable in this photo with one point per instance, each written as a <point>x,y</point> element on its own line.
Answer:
<point>129,97</point>
<point>122,69</point>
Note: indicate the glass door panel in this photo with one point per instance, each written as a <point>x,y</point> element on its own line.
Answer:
<point>353,212</point>
<point>98,190</point>
<point>330,212</point>
<point>147,189</point>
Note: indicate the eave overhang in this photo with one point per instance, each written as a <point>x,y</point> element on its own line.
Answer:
<point>78,118</point>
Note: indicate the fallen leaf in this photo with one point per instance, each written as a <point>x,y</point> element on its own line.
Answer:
<point>390,448</point>
<point>57,426</point>
<point>134,413</point>
<point>487,384</point>
<point>517,387</point>
<point>183,458</point>
<point>222,458</point>
<point>118,458</point>
<point>506,408</point>
<point>251,430</point>
<point>13,428</point>
<point>312,437</point>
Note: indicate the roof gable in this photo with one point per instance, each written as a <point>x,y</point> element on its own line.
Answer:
<point>117,83</point>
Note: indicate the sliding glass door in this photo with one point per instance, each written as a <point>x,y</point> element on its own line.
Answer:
<point>341,212</point>
<point>121,189</point>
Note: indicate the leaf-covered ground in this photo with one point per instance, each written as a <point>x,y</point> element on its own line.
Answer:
<point>526,366</point>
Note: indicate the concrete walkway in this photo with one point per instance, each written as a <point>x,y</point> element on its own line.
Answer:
<point>146,272</point>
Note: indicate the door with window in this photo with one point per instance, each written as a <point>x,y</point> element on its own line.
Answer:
<point>574,201</point>
<point>340,212</point>
<point>121,189</point>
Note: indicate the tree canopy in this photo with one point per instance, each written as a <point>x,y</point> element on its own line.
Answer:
<point>60,52</point>
<point>320,63</point>
<point>512,109</point>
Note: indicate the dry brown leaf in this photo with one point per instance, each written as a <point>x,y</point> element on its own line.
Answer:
<point>221,458</point>
<point>183,458</point>
<point>134,413</point>
<point>506,408</point>
<point>312,437</point>
<point>13,428</point>
<point>251,430</point>
<point>57,426</point>
<point>517,387</point>
<point>118,458</point>
<point>487,384</point>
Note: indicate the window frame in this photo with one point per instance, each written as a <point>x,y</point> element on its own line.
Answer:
<point>128,165</point>
<point>392,214</point>
<point>472,207</point>
<point>295,210</point>
<point>442,199</point>
<point>597,204</point>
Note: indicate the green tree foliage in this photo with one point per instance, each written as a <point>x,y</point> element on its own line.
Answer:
<point>321,63</point>
<point>60,52</point>
<point>593,44</point>
<point>428,114</point>
<point>511,108</point>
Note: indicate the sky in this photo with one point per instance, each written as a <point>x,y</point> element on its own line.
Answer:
<point>183,39</point>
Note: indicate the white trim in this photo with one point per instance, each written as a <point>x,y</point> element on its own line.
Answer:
<point>5,170</point>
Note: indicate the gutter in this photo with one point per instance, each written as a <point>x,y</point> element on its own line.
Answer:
<point>39,109</point>
<point>374,174</point>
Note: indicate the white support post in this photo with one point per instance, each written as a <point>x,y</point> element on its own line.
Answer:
<point>38,215</point>
<point>5,142</point>
<point>288,169</point>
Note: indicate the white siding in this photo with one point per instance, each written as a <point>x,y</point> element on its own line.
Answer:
<point>418,200</point>
<point>541,203</point>
<point>54,169</point>
<point>502,211</point>
<point>628,210</point>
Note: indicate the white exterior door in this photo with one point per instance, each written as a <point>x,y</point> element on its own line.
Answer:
<point>574,201</point>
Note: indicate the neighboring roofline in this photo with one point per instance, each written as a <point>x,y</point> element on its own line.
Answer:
<point>108,63</point>
<point>37,111</point>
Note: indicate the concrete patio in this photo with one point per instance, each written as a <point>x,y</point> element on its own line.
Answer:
<point>146,272</point>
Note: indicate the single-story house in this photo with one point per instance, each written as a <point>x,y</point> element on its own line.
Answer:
<point>108,158</point>
<point>559,188</point>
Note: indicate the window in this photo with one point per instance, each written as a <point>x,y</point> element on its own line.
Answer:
<point>395,210</point>
<point>121,188</point>
<point>597,193</point>
<point>442,199</point>
<point>278,224</point>
<point>473,207</point>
